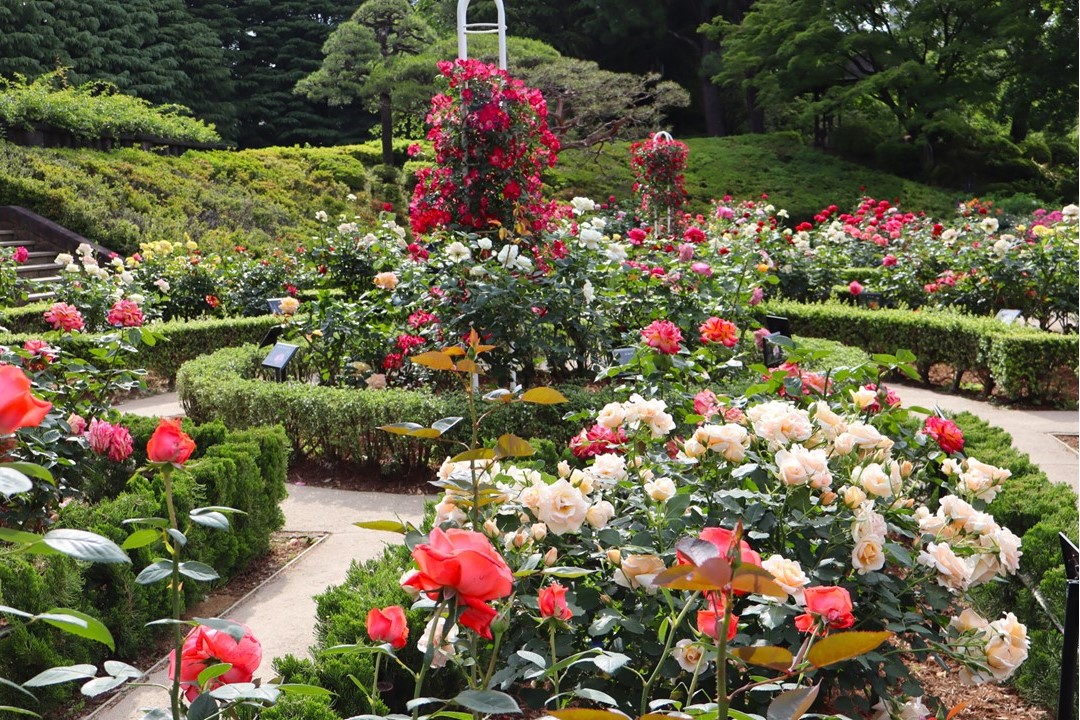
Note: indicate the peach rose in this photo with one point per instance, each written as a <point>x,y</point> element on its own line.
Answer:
<point>637,571</point>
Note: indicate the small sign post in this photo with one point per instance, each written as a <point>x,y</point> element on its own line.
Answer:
<point>871,300</point>
<point>280,356</point>
<point>1008,316</point>
<point>774,353</point>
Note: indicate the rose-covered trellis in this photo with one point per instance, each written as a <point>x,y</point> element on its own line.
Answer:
<point>659,165</point>
<point>491,141</point>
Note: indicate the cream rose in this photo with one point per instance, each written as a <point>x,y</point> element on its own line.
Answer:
<point>637,571</point>
<point>868,555</point>
<point>690,655</point>
<point>611,415</point>
<point>788,574</point>
<point>873,479</point>
<point>562,507</point>
<point>599,514</point>
<point>729,439</point>
<point>853,496</point>
<point>607,469</point>
<point>1007,647</point>
<point>386,280</point>
<point>952,571</point>
<point>863,397</point>
<point>661,489</point>
<point>830,423</point>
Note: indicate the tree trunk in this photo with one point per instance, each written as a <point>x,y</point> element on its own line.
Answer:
<point>755,116</point>
<point>1018,128</point>
<point>387,118</point>
<point>713,107</point>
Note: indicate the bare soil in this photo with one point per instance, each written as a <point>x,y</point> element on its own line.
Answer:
<point>980,702</point>
<point>1073,441</point>
<point>354,476</point>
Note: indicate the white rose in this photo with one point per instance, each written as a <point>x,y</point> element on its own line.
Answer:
<point>448,511</point>
<point>563,469</point>
<point>162,284</point>
<point>484,243</point>
<point>457,252</point>
<point>530,497</point>
<point>967,621</point>
<point>868,554</point>
<point>660,489</point>
<point>599,514</point>
<point>1008,546</point>
<point>72,268</point>
<point>616,252</point>
<point>590,238</point>
<point>444,641</point>
<point>64,259</point>
<point>562,507</point>
<point>988,225</point>
<point>587,292</point>
<point>929,524</point>
<point>693,449</point>
<point>869,523</point>
<point>863,397</point>
<point>538,531</point>
<point>650,413</point>
<point>582,205</point>
<point>853,496</point>
<point>507,255</point>
<point>790,470</point>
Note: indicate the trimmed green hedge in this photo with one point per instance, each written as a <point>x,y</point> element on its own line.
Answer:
<point>245,470</point>
<point>185,340</point>
<point>1020,362</point>
<point>1036,510</point>
<point>342,423</point>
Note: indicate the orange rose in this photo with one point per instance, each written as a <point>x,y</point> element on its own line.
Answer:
<point>169,444</point>
<point>464,562</point>
<point>831,604</point>
<point>18,408</point>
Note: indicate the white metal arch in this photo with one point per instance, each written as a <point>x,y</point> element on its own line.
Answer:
<point>465,28</point>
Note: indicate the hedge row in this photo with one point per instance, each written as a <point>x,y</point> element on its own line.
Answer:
<point>342,423</point>
<point>185,339</point>
<point>245,470</point>
<point>1020,362</point>
<point>1036,510</point>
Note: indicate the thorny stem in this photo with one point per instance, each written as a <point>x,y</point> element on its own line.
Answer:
<point>429,655</point>
<point>554,675</point>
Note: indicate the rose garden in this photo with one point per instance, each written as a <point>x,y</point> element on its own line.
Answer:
<point>669,464</point>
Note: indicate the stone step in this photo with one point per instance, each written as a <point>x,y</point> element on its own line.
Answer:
<point>39,296</point>
<point>47,255</point>
<point>8,242</point>
<point>45,279</point>
<point>30,269</point>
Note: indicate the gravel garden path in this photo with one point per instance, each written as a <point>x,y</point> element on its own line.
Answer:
<point>281,612</point>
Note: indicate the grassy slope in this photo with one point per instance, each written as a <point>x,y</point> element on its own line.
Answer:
<point>257,197</point>
<point>796,177</point>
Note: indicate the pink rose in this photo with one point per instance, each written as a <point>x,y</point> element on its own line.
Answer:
<point>205,646</point>
<point>663,335</point>
<point>855,287</point>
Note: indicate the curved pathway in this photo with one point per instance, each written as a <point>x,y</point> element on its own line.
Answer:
<point>281,612</point>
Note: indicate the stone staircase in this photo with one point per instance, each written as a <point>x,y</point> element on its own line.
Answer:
<point>44,240</point>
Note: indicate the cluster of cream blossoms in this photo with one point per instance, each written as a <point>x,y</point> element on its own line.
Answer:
<point>966,547</point>
<point>991,650</point>
<point>638,413</point>
<point>975,479</point>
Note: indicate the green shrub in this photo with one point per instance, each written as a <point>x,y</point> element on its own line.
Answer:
<point>342,423</point>
<point>244,470</point>
<point>1036,510</point>
<point>1021,362</point>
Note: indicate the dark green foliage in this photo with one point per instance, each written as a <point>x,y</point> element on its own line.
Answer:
<point>1036,510</point>
<point>1020,362</point>
<point>300,708</point>
<point>244,470</point>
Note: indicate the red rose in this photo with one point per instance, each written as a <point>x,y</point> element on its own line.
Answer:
<point>830,604</point>
<point>206,646</point>
<point>388,626</point>
<point>169,444</point>
<point>948,436</point>
<point>464,562</point>
<point>553,603</point>
<point>721,538</point>
<point>709,623</point>
<point>18,408</point>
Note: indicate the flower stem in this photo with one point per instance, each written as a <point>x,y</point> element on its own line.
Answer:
<point>554,659</point>
<point>174,591</point>
<point>375,679</point>
<point>428,655</point>
<point>722,699</point>
<point>664,655</point>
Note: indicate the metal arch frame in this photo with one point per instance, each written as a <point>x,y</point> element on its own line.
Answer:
<point>465,28</point>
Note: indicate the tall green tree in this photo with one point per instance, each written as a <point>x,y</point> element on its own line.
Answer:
<point>360,56</point>
<point>277,43</point>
